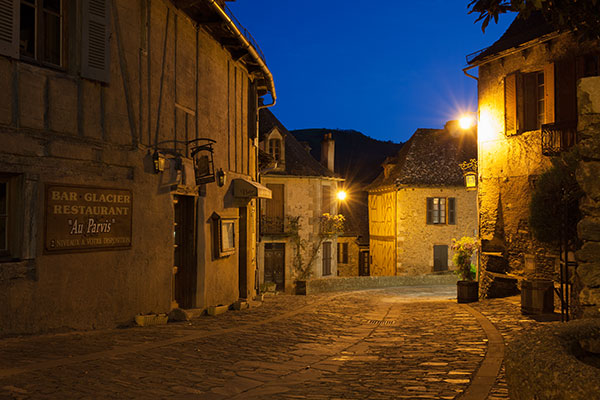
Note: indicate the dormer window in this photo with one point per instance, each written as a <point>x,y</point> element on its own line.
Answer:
<point>275,148</point>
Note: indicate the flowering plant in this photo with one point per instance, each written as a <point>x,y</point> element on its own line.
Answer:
<point>463,251</point>
<point>332,225</point>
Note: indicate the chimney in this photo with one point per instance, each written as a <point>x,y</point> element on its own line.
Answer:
<point>328,151</point>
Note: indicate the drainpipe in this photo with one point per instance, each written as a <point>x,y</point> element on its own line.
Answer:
<point>251,50</point>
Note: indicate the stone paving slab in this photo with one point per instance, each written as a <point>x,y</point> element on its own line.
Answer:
<point>377,344</point>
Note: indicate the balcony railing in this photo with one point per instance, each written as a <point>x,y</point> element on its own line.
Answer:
<point>272,225</point>
<point>558,137</point>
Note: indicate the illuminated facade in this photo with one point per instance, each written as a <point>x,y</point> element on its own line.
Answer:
<point>419,204</point>
<point>527,113</point>
<point>113,129</point>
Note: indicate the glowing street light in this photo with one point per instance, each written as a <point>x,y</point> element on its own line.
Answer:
<point>466,122</point>
<point>341,195</point>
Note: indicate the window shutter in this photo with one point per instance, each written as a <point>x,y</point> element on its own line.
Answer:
<point>566,90</point>
<point>339,252</point>
<point>549,92</point>
<point>9,27</point>
<point>430,210</point>
<point>451,211</point>
<point>510,104</point>
<point>528,95</point>
<point>95,41</point>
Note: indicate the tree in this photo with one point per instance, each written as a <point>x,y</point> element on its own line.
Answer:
<point>580,16</point>
<point>554,207</point>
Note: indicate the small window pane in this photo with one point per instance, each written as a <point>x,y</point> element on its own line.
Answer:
<point>52,5</point>
<point>228,235</point>
<point>27,31</point>
<point>3,233</point>
<point>3,198</point>
<point>52,39</point>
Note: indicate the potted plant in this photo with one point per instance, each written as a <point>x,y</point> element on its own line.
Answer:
<point>467,289</point>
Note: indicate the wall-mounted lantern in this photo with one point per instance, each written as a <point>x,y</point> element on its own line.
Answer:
<point>221,177</point>
<point>471,181</point>
<point>469,169</point>
<point>159,162</point>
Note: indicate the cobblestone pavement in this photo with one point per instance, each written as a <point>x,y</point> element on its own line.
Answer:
<point>401,343</point>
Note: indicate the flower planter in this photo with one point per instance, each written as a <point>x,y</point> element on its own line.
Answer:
<point>216,310</point>
<point>301,288</point>
<point>467,291</point>
<point>537,297</point>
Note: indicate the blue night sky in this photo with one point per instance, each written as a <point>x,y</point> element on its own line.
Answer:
<point>384,68</point>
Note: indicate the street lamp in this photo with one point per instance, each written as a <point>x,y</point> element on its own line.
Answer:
<point>467,121</point>
<point>341,195</point>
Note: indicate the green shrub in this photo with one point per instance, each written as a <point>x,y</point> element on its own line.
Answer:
<point>556,193</point>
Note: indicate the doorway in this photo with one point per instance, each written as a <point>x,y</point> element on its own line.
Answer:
<point>243,254</point>
<point>275,264</point>
<point>185,267</point>
<point>440,258</point>
<point>363,264</point>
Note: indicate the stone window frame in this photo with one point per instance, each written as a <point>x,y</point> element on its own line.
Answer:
<point>447,217</point>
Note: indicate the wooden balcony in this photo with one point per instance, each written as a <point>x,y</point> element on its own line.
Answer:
<point>558,137</point>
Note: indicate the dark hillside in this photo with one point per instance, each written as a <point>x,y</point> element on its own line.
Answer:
<point>358,157</point>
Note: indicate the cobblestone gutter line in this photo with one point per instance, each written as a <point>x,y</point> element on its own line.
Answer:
<point>485,377</point>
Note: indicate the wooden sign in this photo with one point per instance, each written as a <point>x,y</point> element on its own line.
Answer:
<point>83,218</point>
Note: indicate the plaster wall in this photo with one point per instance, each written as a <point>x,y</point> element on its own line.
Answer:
<point>416,238</point>
<point>56,127</point>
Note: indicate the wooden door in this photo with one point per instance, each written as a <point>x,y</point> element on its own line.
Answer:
<point>243,254</point>
<point>440,257</point>
<point>184,290</point>
<point>275,264</point>
<point>363,264</point>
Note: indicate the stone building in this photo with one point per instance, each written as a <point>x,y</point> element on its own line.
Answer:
<point>302,191</point>
<point>128,160</point>
<point>528,113</point>
<point>419,203</point>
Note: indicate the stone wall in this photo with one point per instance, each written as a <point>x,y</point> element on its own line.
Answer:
<point>510,165</point>
<point>416,238</point>
<point>351,267</point>
<point>588,176</point>
<point>302,198</point>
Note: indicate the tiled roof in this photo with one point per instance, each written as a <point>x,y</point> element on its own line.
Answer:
<point>298,160</point>
<point>521,31</point>
<point>430,158</point>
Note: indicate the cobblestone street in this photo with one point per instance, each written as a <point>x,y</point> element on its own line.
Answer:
<point>401,343</point>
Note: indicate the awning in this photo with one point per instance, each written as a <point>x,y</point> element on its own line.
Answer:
<point>247,188</point>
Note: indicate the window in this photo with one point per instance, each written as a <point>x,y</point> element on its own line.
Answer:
<point>441,210</point>
<point>35,30</point>
<point>273,217</point>
<point>41,31</point>
<point>326,258</point>
<point>4,234</point>
<point>10,218</point>
<point>326,199</point>
<point>275,148</point>
<point>342,253</point>
<point>224,235</point>
<point>528,100</point>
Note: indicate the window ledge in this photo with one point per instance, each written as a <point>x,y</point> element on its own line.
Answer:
<point>17,270</point>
